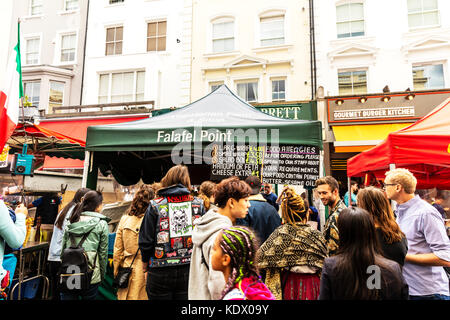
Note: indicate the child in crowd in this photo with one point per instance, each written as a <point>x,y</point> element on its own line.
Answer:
<point>233,254</point>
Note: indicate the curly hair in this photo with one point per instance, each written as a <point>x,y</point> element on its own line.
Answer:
<point>241,244</point>
<point>293,207</point>
<point>141,200</point>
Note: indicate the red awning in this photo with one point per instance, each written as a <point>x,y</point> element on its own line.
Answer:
<point>423,148</point>
<point>78,129</point>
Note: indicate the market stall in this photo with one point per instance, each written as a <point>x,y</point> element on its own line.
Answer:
<point>423,148</point>
<point>197,135</point>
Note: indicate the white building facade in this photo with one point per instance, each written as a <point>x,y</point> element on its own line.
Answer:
<point>364,45</point>
<point>138,50</point>
<point>259,48</point>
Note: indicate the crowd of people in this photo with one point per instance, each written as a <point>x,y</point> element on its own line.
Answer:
<point>229,242</point>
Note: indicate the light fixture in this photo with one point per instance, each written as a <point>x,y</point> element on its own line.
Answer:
<point>410,96</point>
<point>385,98</point>
<point>362,99</point>
<point>339,102</point>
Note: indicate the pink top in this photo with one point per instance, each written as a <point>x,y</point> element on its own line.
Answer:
<point>249,289</point>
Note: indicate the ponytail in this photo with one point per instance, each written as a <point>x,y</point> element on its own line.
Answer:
<point>91,201</point>
<point>71,205</point>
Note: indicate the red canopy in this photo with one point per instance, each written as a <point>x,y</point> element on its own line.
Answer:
<point>423,148</point>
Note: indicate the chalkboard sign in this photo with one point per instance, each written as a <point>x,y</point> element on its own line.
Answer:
<point>293,165</point>
<point>283,164</point>
<point>236,160</point>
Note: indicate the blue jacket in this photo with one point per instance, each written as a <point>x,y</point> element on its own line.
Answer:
<point>11,233</point>
<point>262,217</point>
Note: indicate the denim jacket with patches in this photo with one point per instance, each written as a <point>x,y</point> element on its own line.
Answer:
<point>165,237</point>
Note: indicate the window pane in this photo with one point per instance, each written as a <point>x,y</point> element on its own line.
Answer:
<point>109,49</point>
<point>356,11</point>
<point>119,33</point>
<point>162,44</point>
<point>118,49</point>
<point>343,29</point>
<point>242,91</point>
<point>252,93</point>
<point>415,20</point>
<point>162,28</point>
<point>430,18</point>
<point>223,30</point>
<point>352,82</point>
<point>128,83</point>
<point>140,82</point>
<point>151,29</point>
<point>342,13</point>
<point>151,44</point>
<point>428,77</point>
<point>104,84</point>
<point>357,28</point>
<point>430,5</point>
<point>414,5</point>
<point>110,34</point>
<point>117,81</point>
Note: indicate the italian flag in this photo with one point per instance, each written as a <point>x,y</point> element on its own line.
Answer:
<point>11,94</point>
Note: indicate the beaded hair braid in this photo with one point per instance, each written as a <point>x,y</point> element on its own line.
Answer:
<point>241,245</point>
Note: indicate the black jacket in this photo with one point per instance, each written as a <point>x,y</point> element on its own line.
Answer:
<point>165,236</point>
<point>262,217</point>
<point>392,283</point>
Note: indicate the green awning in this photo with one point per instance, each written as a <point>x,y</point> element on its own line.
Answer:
<point>141,149</point>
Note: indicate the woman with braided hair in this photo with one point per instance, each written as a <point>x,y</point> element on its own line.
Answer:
<point>294,253</point>
<point>233,254</point>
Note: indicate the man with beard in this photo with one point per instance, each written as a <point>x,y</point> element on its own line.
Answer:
<point>328,190</point>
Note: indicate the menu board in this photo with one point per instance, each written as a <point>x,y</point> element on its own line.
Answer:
<point>293,165</point>
<point>236,160</point>
<point>283,164</point>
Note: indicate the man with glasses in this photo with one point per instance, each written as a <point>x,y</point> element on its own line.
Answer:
<point>428,244</point>
<point>328,190</point>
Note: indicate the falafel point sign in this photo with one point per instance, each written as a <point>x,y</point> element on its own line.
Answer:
<point>284,164</point>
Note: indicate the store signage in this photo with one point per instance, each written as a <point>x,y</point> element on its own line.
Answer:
<point>298,111</point>
<point>375,113</point>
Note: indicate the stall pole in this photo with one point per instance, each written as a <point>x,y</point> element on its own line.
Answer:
<point>349,192</point>
<point>90,172</point>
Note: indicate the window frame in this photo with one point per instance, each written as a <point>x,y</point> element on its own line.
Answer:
<point>428,64</point>
<point>422,12</point>
<point>156,36</point>
<point>223,20</point>
<point>366,71</point>
<point>109,95</point>
<point>66,9</point>
<point>115,41</point>
<point>247,82</point>
<point>31,6</point>
<point>272,80</point>
<point>60,47</point>
<point>273,15</point>
<point>28,38</point>
<point>350,20</point>
<point>50,108</point>
<point>28,82</point>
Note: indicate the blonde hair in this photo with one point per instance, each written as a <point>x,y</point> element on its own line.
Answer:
<point>404,178</point>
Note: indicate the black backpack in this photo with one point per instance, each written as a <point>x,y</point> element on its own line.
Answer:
<point>75,274</point>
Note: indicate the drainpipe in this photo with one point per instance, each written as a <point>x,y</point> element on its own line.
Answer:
<point>84,52</point>
<point>312,41</point>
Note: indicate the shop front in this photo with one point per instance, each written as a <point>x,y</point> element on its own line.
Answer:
<point>357,123</point>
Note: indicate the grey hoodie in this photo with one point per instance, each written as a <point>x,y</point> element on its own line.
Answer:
<point>204,283</point>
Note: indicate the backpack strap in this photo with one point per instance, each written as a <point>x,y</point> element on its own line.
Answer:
<point>83,239</point>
